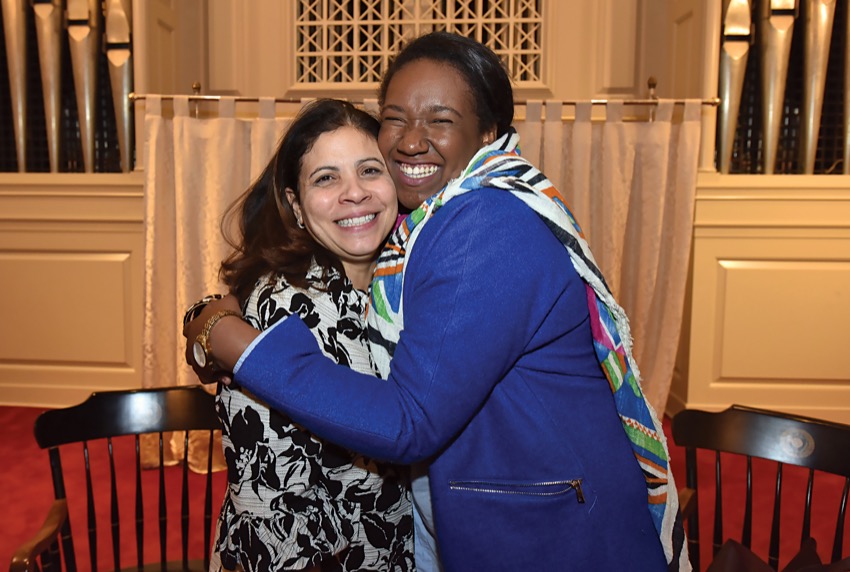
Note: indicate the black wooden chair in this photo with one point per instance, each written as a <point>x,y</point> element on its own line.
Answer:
<point>756,433</point>
<point>107,428</point>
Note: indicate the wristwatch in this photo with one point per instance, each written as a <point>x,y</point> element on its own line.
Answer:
<point>201,348</point>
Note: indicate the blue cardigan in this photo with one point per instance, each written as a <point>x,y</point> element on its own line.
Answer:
<point>494,382</point>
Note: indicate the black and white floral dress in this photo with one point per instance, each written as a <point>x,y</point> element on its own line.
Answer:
<point>293,500</point>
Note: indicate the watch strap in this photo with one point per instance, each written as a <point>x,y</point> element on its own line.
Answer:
<point>204,337</point>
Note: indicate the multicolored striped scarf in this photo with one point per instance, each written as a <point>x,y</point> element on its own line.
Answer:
<point>500,166</point>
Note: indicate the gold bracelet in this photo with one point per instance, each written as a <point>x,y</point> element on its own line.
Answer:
<point>201,349</point>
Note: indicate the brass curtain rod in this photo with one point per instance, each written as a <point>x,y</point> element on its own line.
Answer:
<point>714,101</point>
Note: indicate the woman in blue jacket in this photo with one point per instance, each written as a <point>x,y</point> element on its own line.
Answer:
<point>509,382</point>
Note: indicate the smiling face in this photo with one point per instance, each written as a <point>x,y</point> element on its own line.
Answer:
<point>429,129</point>
<point>346,198</point>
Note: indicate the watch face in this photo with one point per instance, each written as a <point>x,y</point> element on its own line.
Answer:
<point>200,354</point>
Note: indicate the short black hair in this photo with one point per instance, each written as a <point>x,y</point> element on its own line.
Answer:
<point>484,72</point>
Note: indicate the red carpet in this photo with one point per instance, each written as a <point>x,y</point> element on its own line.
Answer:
<point>24,480</point>
<point>27,494</point>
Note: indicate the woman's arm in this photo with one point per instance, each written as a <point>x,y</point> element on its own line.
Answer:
<point>472,279</point>
<point>228,339</point>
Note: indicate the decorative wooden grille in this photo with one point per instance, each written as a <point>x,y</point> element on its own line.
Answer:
<point>349,42</point>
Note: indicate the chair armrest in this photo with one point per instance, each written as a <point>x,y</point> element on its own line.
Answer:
<point>687,502</point>
<point>25,557</point>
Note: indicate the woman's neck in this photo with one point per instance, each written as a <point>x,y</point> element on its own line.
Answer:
<point>360,274</point>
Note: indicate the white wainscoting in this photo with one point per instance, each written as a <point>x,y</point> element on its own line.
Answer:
<point>770,296</point>
<point>71,280</point>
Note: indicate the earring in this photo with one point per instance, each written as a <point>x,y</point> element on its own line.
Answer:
<point>299,223</point>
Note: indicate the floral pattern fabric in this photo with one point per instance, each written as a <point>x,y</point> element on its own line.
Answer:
<point>293,500</point>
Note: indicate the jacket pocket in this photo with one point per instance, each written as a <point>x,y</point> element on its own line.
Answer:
<point>539,489</point>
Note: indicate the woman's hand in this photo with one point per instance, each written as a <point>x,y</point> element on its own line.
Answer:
<point>192,329</point>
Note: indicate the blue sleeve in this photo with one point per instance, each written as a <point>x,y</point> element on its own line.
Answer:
<point>477,286</point>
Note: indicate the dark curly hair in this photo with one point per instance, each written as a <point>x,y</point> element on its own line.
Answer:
<point>485,74</point>
<point>270,241</point>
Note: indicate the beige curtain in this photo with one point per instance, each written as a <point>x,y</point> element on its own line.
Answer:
<point>631,184</point>
<point>194,168</point>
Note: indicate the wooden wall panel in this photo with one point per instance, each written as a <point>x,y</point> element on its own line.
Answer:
<point>770,296</point>
<point>87,286</point>
<point>71,276</point>
<point>161,46</point>
<point>224,24</point>
<point>796,300</point>
<point>616,48</point>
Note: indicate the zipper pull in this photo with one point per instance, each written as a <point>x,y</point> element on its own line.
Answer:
<point>576,484</point>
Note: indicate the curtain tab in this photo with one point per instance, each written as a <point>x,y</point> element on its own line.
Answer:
<point>227,107</point>
<point>266,108</point>
<point>693,110</point>
<point>584,111</point>
<point>534,110</point>
<point>181,106</point>
<point>664,110</point>
<point>554,110</point>
<point>153,105</point>
<point>614,110</point>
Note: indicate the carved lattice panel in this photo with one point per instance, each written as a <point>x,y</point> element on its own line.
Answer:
<point>349,43</point>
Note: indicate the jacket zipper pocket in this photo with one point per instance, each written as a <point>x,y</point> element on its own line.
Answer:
<point>520,489</point>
